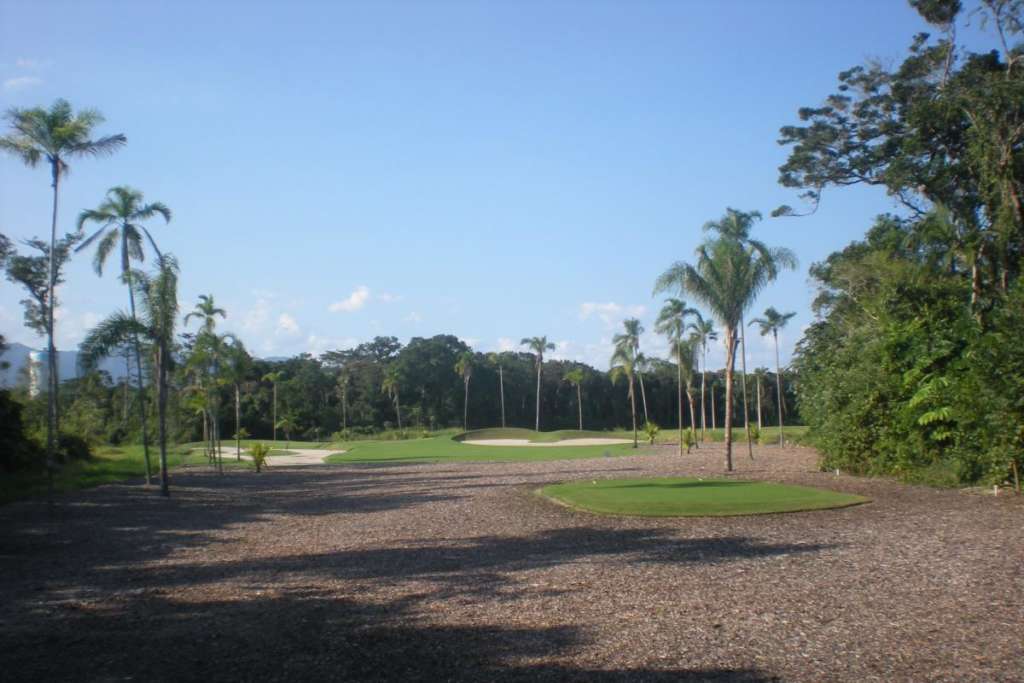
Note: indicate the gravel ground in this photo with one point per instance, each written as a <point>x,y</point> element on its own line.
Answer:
<point>457,571</point>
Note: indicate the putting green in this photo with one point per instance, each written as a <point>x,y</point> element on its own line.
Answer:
<point>676,497</point>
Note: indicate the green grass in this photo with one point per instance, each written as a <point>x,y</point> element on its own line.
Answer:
<point>446,449</point>
<point>535,437</point>
<point>108,465</point>
<point>769,435</point>
<point>676,497</point>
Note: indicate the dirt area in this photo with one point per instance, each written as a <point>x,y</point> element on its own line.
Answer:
<point>457,571</point>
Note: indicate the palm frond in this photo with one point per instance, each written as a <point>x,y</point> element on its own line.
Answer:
<point>107,338</point>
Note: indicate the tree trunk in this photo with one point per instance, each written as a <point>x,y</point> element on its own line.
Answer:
<point>679,396</point>
<point>632,406</point>
<point>579,404</point>
<point>692,401</point>
<point>703,395</point>
<point>398,409</point>
<point>127,271</point>
<point>760,423</point>
<point>501,390</point>
<point>730,359</point>
<point>539,362</point>
<point>465,406</point>
<point>206,435</point>
<point>161,402</point>
<point>778,386</point>
<point>714,426</point>
<point>275,413</point>
<point>127,382</point>
<point>643,395</point>
<point>238,424</point>
<point>746,410</point>
<point>52,425</point>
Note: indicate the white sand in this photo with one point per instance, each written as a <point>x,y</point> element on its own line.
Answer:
<point>299,456</point>
<point>566,442</point>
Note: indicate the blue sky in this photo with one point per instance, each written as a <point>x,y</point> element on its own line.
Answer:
<point>491,170</point>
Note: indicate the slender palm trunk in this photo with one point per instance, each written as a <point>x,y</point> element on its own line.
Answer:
<point>703,395</point>
<point>679,396</point>
<point>465,406</point>
<point>398,409</point>
<point>127,382</point>
<point>730,360</point>
<point>714,411</point>
<point>632,406</point>
<point>743,376</point>
<point>537,425</point>
<point>760,424</point>
<point>643,395</point>
<point>206,434</point>
<point>161,402</point>
<point>501,390</point>
<point>275,413</point>
<point>52,425</point>
<point>238,424</point>
<point>138,366</point>
<point>693,402</point>
<point>778,387</point>
<point>579,404</point>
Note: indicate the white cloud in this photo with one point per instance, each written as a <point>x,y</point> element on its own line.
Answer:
<point>317,344</point>
<point>20,82</point>
<point>471,342</point>
<point>610,313</point>
<point>388,297</point>
<point>413,317</point>
<point>356,300</point>
<point>507,344</point>
<point>287,326</point>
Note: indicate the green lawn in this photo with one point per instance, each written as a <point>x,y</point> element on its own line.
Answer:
<point>675,497</point>
<point>769,435</point>
<point>445,449</point>
<point>108,465</point>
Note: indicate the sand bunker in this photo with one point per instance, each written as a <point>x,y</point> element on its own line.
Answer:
<point>566,442</point>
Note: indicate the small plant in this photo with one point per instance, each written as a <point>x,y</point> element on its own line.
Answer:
<point>689,440</point>
<point>259,452</point>
<point>755,434</point>
<point>425,434</point>
<point>651,429</point>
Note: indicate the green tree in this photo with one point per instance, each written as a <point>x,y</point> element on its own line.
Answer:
<point>464,369</point>
<point>771,323</point>
<point>274,378</point>
<point>55,135</point>
<point>391,386</point>
<point>538,345</point>
<point>727,276</point>
<point>623,363</point>
<point>495,359</point>
<point>575,378</point>
<point>671,322</point>
<point>630,338</point>
<point>206,311</point>
<point>703,331</point>
<point>287,424</point>
<point>158,295</point>
<point>121,219</point>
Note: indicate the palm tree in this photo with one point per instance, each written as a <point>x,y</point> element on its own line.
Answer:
<point>496,360</point>
<point>773,321</point>
<point>120,218</point>
<point>759,374</point>
<point>538,345</point>
<point>685,351</point>
<point>237,364</point>
<point>631,339</point>
<point>342,391</point>
<point>392,377</point>
<point>703,331</point>
<point>274,378</point>
<point>623,365</point>
<point>729,273</point>
<point>464,369</point>
<point>286,425</point>
<point>158,296</point>
<point>672,323</point>
<point>575,377</point>
<point>56,134</point>
<point>207,311</point>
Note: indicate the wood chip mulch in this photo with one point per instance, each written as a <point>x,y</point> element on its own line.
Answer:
<point>457,571</point>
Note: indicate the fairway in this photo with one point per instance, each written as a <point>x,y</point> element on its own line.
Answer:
<point>676,497</point>
<point>446,449</point>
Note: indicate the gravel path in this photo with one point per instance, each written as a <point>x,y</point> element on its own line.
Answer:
<point>457,571</point>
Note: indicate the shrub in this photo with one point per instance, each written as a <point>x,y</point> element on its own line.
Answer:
<point>755,434</point>
<point>651,429</point>
<point>689,439</point>
<point>71,447</point>
<point>17,450</point>
<point>259,452</point>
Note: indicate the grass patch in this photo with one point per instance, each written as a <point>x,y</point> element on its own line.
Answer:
<point>447,449</point>
<point>677,497</point>
<point>667,435</point>
<point>108,465</point>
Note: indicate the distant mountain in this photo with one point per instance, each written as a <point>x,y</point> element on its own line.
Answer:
<point>67,365</point>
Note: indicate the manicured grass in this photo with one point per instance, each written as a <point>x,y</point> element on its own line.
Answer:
<point>108,465</point>
<point>769,435</point>
<point>445,449</point>
<point>535,437</point>
<point>676,497</point>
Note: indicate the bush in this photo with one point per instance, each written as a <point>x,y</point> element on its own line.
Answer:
<point>71,447</point>
<point>17,450</point>
<point>651,429</point>
<point>259,452</point>
<point>755,434</point>
<point>689,439</point>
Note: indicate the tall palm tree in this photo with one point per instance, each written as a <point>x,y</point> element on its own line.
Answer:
<point>623,364</point>
<point>344,378</point>
<point>55,135</point>
<point>728,275</point>
<point>158,296</point>
<point>121,219</point>
<point>274,378</point>
<point>685,351</point>
<point>206,311</point>
<point>759,374</point>
<point>575,377</point>
<point>207,362</point>
<point>773,321</point>
<point>390,386</point>
<point>236,366</point>
<point>703,331</point>
<point>631,338</point>
<point>538,345</point>
<point>496,360</point>
<point>671,322</point>
<point>287,424</point>
<point>464,369</point>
